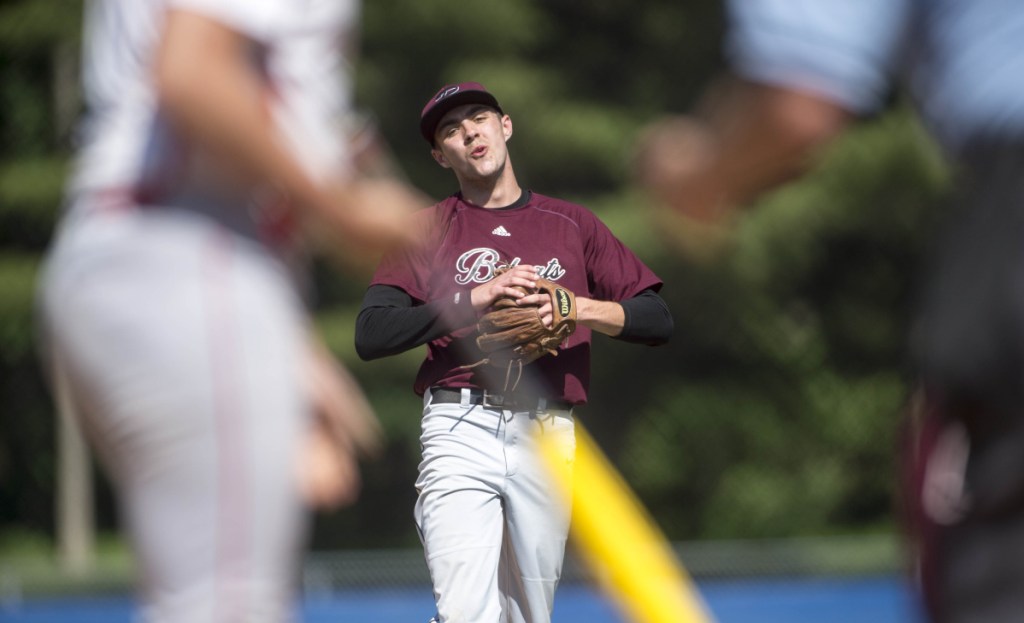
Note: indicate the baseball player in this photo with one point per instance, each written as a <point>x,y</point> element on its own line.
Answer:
<point>806,70</point>
<point>492,527</point>
<point>171,301</point>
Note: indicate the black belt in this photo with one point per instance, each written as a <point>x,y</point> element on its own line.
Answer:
<point>515,402</point>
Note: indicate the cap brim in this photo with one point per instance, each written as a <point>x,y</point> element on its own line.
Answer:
<point>429,121</point>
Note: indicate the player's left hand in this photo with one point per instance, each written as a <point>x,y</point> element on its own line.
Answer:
<point>543,304</point>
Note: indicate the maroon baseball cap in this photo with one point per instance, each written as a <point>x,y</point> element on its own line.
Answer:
<point>449,97</point>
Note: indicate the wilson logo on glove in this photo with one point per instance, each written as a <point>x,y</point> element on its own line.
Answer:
<point>564,299</point>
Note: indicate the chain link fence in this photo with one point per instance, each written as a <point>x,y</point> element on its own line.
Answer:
<point>703,560</point>
<point>394,569</point>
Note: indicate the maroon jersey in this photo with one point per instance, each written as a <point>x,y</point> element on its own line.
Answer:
<point>567,244</point>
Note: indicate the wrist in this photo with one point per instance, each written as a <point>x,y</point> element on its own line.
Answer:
<point>459,310</point>
<point>605,317</point>
<point>477,298</point>
<point>590,311</point>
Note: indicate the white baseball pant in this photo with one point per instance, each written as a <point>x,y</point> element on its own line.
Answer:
<point>183,341</point>
<point>492,524</point>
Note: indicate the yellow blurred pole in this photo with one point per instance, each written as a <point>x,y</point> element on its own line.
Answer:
<point>629,555</point>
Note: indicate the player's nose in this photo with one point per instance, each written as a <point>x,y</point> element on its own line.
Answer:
<point>469,132</point>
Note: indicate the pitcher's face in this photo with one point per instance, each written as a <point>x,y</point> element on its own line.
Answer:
<point>470,140</point>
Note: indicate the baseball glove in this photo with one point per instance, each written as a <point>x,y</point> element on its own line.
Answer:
<point>514,335</point>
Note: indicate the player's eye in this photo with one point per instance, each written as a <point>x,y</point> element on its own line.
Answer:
<point>480,118</point>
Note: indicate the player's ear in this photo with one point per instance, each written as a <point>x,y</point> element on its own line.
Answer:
<point>439,158</point>
<point>506,126</point>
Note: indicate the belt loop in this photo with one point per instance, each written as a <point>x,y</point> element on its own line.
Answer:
<point>465,397</point>
<point>542,405</point>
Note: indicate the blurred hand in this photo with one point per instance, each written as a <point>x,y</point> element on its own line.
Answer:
<point>672,159</point>
<point>696,240</point>
<point>691,211</point>
<point>328,474</point>
<point>374,213</point>
<point>345,428</point>
<point>356,222</point>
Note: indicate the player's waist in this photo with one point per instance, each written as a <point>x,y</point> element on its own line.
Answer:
<point>516,401</point>
<point>238,214</point>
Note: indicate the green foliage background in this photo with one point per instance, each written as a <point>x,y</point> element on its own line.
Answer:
<point>776,408</point>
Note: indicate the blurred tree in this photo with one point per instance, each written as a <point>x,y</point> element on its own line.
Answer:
<point>788,381</point>
<point>38,101</point>
<point>576,77</point>
<point>773,410</point>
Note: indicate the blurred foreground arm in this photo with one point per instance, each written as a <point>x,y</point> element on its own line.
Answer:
<point>753,139</point>
<point>209,87</point>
